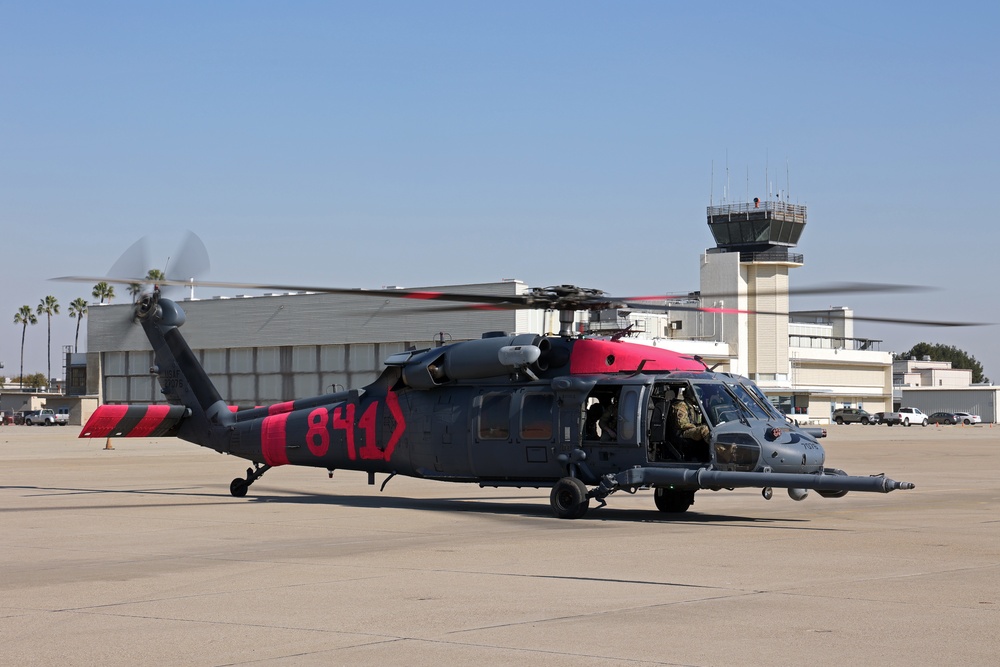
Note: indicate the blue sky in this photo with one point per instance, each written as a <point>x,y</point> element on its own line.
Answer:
<point>400,143</point>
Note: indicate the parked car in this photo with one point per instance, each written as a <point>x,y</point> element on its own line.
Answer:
<point>44,417</point>
<point>878,417</point>
<point>18,418</point>
<point>62,416</point>
<point>851,415</point>
<point>967,418</point>
<point>943,418</point>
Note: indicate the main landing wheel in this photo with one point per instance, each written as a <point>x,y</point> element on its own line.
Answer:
<point>238,487</point>
<point>569,498</point>
<point>672,501</point>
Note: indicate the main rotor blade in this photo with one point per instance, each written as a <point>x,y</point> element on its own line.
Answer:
<point>808,290</point>
<point>566,297</point>
<point>397,293</point>
<point>468,308</point>
<point>859,318</point>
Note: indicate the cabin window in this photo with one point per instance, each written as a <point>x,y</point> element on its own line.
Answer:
<point>494,417</point>
<point>736,451</point>
<point>628,412</point>
<point>536,417</point>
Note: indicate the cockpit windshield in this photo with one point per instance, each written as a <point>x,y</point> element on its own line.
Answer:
<point>751,400</point>
<point>762,400</point>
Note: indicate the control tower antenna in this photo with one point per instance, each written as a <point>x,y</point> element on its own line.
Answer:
<point>725,196</point>
<point>788,187</point>
<point>767,177</point>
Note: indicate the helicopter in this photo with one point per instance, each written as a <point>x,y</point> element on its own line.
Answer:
<point>584,416</point>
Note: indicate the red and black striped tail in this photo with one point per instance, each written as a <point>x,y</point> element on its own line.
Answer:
<point>134,421</point>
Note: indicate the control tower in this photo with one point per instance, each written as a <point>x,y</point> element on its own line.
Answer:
<point>748,270</point>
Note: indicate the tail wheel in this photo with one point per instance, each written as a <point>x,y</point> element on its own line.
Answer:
<point>672,501</point>
<point>906,422</point>
<point>839,420</point>
<point>569,498</point>
<point>238,487</point>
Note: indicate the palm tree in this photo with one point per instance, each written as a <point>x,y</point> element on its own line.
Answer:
<point>49,306</point>
<point>103,291</point>
<point>24,317</point>
<point>77,310</point>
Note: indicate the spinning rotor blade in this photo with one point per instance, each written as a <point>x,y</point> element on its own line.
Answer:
<point>809,290</point>
<point>132,262</point>
<point>564,297</point>
<point>133,266</point>
<point>860,318</point>
<point>190,261</point>
<point>664,308</point>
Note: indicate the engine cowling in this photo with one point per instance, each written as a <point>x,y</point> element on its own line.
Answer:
<point>472,360</point>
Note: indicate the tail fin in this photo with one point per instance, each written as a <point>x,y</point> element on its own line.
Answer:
<point>182,379</point>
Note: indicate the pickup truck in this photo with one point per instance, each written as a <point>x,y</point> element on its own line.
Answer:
<point>906,417</point>
<point>47,417</point>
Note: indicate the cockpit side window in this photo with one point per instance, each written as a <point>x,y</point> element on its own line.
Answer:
<point>720,407</point>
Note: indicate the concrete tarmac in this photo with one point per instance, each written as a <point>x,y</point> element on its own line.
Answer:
<point>139,555</point>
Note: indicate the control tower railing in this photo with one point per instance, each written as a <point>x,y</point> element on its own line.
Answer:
<point>777,209</point>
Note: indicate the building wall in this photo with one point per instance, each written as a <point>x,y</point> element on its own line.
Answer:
<point>932,377</point>
<point>768,334</point>
<point>979,400</point>
<point>722,273</point>
<point>248,376</point>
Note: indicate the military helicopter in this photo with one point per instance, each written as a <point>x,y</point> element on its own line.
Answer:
<point>584,416</point>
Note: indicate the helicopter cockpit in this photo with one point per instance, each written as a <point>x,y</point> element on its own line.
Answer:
<point>719,423</point>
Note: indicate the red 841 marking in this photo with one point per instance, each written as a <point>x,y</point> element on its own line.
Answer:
<point>365,428</point>
<point>317,436</point>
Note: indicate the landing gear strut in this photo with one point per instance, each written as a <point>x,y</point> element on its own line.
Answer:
<point>238,487</point>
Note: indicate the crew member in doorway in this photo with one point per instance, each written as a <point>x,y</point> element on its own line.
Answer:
<point>687,418</point>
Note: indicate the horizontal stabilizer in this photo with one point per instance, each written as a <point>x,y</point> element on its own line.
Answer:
<point>134,421</point>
